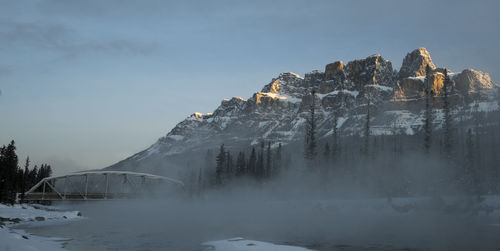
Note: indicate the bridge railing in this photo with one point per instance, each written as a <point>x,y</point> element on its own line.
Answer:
<point>101,185</point>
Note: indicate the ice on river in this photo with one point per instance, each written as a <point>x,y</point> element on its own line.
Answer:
<point>241,244</point>
<point>19,240</point>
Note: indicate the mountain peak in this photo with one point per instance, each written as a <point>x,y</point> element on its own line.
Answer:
<point>333,69</point>
<point>288,75</point>
<point>279,112</point>
<point>415,63</point>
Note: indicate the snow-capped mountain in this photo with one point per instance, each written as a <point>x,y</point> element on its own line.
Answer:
<point>278,112</point>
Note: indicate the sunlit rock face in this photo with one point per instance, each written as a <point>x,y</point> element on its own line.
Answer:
<point>230,107</point>
<point>334,70</point>
<point>469,81</point>
<point>278,112</point>
<point>409,88</point>
<point>371,70</point>
<point>414,87</point>
<point>436,83</point>
<point>415,64</point>
<point>334,77</point>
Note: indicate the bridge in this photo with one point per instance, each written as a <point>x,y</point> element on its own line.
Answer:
<point>102,185</point>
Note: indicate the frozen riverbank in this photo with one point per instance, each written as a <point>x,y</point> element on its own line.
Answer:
<point>356,224</point>
<point>241,244</point>
<point>16,239</point>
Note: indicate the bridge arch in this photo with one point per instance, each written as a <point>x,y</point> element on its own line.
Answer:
<point>100,185</point>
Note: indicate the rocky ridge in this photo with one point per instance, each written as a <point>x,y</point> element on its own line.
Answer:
<point>278,112</point>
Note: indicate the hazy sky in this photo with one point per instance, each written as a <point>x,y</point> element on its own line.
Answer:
<point>85,84</point>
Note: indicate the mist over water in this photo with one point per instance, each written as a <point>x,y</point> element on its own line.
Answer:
<point>356,224</point>
<point>391,195</point>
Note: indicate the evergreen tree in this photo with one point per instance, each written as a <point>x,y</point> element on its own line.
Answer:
<point>252,163</point>
<point>229,166</point>
<point>221,164</point>
<point>260,169</point>
<point>268,160</point>
<point>470,175</point>
<point>310,140</point>
<point>428,111</point>
<point>26,169</point>
<point>335,144</point>
<point>24,179</point>
<point>8,172</point>
<point>240,164</point>
<point>44,172</point>
<point>33,176</point>
<point>448,139</point>
<point>3,171</point>
<point>277,163</point>
<point>366,145</point>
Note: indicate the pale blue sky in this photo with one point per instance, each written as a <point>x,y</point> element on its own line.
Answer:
<point>85,84</point>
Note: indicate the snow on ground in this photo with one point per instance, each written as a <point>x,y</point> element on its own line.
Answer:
<point>381,87</point>
<point>27,213</point>
<point>421,78</point>
<point>333,93</point>
<point>14,239</point>
<point>240,244</point>
<point>484,106</point>
<point>18,240</point>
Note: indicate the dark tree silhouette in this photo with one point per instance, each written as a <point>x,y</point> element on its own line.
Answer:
<point>428,111</point>
<point>310,140</point>
<point>252,163</point>
<point>8,173</point>
<point>268,160</point>
<point>277,163</point>
<point>240,165</point>
<point>448,138</point>
<point>260,169</point>
<point>221,164</point>
<point>366,145</point>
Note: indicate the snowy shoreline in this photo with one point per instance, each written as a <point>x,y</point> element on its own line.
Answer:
<point>409,210</point>
<point>24,214</point>
<point>13,238</point>
<point>241,244</point>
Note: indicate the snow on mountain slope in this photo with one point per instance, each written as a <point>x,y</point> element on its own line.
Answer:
<point>278,112</point>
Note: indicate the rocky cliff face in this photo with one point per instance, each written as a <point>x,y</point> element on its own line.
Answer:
<point>415,64</point>
<point>278,112</point>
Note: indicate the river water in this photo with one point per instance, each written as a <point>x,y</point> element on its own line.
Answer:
<point>183,225</point>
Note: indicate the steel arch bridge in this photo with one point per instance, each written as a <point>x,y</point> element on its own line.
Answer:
<point>102,185</point>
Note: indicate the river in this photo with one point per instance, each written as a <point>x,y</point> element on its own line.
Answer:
<point>183,225</point>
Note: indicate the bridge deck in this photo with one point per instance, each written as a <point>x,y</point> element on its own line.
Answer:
<point>56,188</point>
<point>96,196</point>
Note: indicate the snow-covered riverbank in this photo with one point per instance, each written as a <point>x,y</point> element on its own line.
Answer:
<point>241,244</point>
<point>19,240</point>
<point>449,223</point>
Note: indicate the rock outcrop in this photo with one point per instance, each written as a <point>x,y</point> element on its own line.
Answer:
<point>371,70</point>
<point>469,81</point>
<point>415,64</point>
<point>409,88</point>
<point>278,112</point>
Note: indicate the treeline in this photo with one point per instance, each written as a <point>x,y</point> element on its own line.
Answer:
<point>450,155</point>
<point>459,156</point>
<point>377,165</point>
<point>13,178</point>
<point>262,163</point>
